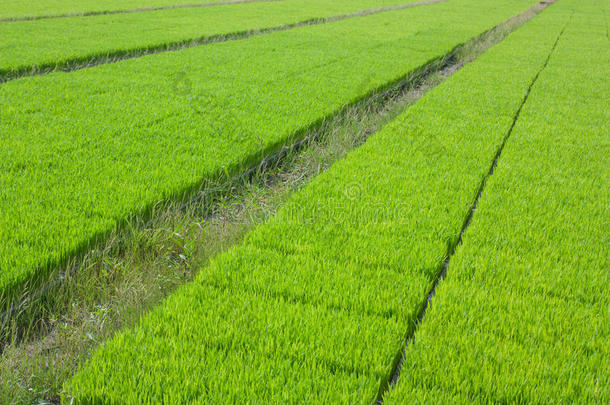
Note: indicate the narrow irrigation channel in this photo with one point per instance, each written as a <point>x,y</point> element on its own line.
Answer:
<point>104,58</point>
<point>410,339</point>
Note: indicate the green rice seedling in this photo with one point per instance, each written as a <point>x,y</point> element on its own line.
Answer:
<point>315,304</point>
<point>82,151</point>
<point>31,47</point>
<point>522,316</point>
<point>37,9</point>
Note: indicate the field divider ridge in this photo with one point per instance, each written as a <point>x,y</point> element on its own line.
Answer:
<point>103,58</point>
<point>442,273</point>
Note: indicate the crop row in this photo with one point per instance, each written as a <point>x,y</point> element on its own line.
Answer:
<point>81,151</point>
<point>31,45</point>
<point>18,9</point>
<point>314,305</point>
<point>523,315</point>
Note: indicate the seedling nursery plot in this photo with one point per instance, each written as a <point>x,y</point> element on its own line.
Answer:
<point>333,260</point>
<point>32,46</point>
<point>11,10</point>
<point>84,150</point>
<point>316,303</point>
<point>523,314</point>
<point>459,254</point>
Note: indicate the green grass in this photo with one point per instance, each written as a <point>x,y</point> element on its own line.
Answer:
<point>120,280</point>
<point>315,304</point>
<point>522,316</point>
<point>16,9</point>
<point>30,46</point>
<point>85,150</point>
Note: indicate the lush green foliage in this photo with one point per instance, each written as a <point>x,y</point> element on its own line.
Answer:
<point>83,150</point>
<point>28,45</point>
<point>315,304</point>
<point>39,8</point>
<point>523,314</point>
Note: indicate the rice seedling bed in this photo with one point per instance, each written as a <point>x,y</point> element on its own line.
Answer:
<point>82,151</point>
<point>522,316</point>
<point>32,47</point>
<point>316,303</point>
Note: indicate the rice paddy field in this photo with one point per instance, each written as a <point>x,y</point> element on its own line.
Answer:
<point>455,251</point>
